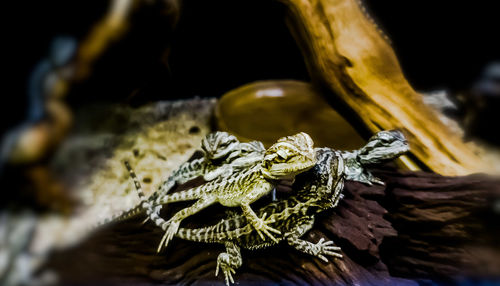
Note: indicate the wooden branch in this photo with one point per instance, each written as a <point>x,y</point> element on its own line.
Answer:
<point>126,253</point>
<point>434,236</point>
<point>347,53</point>
<point>109,29</point>
<point>447,227</point>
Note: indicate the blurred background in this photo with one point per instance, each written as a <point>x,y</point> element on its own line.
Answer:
<point>440,45</point>
<point>107,107</point>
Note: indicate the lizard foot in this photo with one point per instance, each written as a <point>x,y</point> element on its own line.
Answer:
<point>173,227</point>
<point>322,248</point>
<point>224,263</point>
<point>261,226</point>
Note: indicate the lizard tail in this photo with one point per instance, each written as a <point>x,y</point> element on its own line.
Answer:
<point>223,231</point>
<point>120,216</point>
<point>144,204</point>
<point>204,234</point>
<point>130,212</point>
<point>137,184</point>
<point>152,212</point>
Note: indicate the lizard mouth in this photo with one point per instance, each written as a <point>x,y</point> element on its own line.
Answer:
<point>289,171</point>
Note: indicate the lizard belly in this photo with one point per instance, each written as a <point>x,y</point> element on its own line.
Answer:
<point>248,193</point>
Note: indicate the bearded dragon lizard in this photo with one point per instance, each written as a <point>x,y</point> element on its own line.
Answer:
<point>222,155</point>
<point>288,157</point>
<point>319,189</point>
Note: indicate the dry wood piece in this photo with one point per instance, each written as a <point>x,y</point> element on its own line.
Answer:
<point>346,52</point>
<point>447,227</point>
<point>126,253</point>
<point>433,236</point>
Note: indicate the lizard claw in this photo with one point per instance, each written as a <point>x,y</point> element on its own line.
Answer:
<point>173,227</point>
<point>377,181</point>
<point>322,248</point>
<point>261,226</point>
<point>145,221</point>
<point>223,263</point>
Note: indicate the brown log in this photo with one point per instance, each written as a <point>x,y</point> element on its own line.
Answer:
<point>347,53</point>
<point>441,228</point>
<point>447,227</point>
<point>126,252</point>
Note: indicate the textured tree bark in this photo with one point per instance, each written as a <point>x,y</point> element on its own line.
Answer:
<point>349,55</point>
<point>126,253</point>
<point>433,236</point>
<point>447,227</point>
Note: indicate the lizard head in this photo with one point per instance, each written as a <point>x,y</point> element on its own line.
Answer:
<point>218,145</point>
<point>383,146</point>
<point>288,157</point>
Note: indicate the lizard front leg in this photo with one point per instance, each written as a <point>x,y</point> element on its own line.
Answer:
<point>319,249</point>
<point>260,224</point>
<point>222,171</point>
<point>152,210</point>
<point>229,261</point>
<point>355,171</point>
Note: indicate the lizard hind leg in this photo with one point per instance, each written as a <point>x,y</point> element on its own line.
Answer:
<point>183,174</point>
<point>321,249</point>
<point>153,210</point>
<point>229,261</point>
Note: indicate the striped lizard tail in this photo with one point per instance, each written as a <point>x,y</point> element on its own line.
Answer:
<point>120,216</point>
<point>127,213</point>
<point>145,204</point>
<point>226,229</point>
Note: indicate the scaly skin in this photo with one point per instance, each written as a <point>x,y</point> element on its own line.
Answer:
<point>288,157</point>
<point>381,147</point>
<point>319,189</point>
<point>223,155</point>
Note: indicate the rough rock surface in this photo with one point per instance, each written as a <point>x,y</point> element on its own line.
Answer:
<point>155,139</point>
<point>88,167</point>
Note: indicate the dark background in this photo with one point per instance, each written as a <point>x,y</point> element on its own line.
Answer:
<point>221,44</point>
